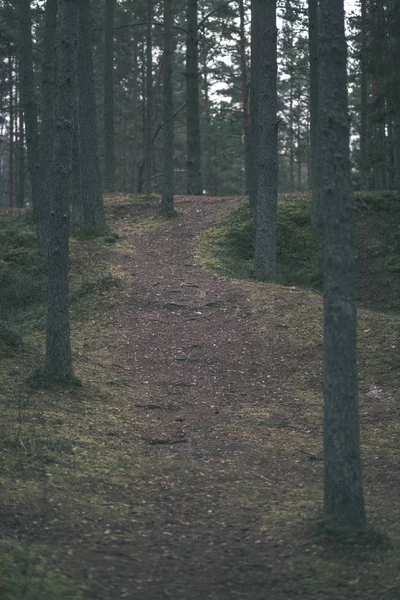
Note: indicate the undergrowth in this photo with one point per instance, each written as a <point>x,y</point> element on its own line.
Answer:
<point>228,248</point>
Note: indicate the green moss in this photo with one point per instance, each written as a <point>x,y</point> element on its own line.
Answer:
<point>228,247</point>
<point>25,574</point>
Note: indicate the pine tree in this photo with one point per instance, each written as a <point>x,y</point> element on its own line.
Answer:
<point>343,491</point>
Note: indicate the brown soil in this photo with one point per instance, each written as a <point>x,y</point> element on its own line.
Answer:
<point>214,411</point>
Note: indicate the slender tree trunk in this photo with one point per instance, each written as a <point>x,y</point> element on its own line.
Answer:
<point>291,132</point>
<point>343,492</point>
<point>149,101</point>
<point>253,104</point>
<point>20,200</point>
<point>167,203</point>
<point>77,219</point>
<point>11,145</point>
<point>29,103</point>
<point>194,175</point>
<point>245,98</point>
<point>92,198</point>
<point>135,119</point>
<point>267,158</point>
<point>109,142</point>
<point>316,210</point>
<point>47,103</point>
<point>395,42</point>
<point>58,347</point>
<point>364,100</point>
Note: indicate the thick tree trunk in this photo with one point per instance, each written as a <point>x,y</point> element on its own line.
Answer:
<point>267,155</point>
<point>29,103</point>
<point>109,150</point>
<point>92,199</point>
<point>58,348</point>
<point>343,492</point>
<point>194,175</point>
<point>47,104</point>
<point>245,98</point>
<point>148,170</point>
<point>316,211</point>
<point>167,203</point>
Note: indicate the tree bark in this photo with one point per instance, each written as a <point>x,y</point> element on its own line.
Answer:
<point>29,103</point>
<point>20,199</point>
<point>343,491</point>
<point>167,202</point>
<point>364,101</point>
<point>92,198</point>
<point>253,104</point>
<point>194,174</point>
<point>11,153</point>
<point>267,155</point>
<point>245,98</point>
<point>58,347</point>
<point>316,210</point>
<point>47,104</point>
<point>149,101</point>
<point>135,119</point>
<point>109,142</point>
<point>77,219</point>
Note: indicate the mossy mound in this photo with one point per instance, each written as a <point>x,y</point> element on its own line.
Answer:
<point>228,248</point>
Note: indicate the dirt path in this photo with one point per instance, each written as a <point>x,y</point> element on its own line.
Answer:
<point>216,460</point>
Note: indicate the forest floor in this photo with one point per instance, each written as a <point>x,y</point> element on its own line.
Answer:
<point>189,464</point>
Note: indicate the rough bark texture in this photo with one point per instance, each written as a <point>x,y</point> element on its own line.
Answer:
<point>245,98</point>
<point>135,119</point>
<point>92,199</point>
<point>194,176</point>
<point>167,202</point>
<point>267,154</point>
<point>343,493</point>
<point>29,103</point>
<point>148,167</point>
<point>109,150</point>
<point>316,210</point>
<point>48,90</point>
<point>11,134</point>
<point>58,348</point>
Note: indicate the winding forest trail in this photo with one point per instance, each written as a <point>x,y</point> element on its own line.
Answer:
<point>199,455</point>
<point>212,407</point>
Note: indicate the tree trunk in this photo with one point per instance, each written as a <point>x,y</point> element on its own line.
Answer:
<point>267,155</point>
<point>29,103</point>
<point>92,198</point>
<point>253,104</point>
<point>20,199</point>
<point>194,176</point>
<point>245,98</point>
<point>11,145</point>
<point>76,184</point>
<point>48,91</point>
<point>167,203</point>
<point>364,101</point>
<point>58,348</point>
<point>135,119</point>
<point>343,492</point>
<point>149,101</point>
<point>316,211</point>
<point>109,150</point>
